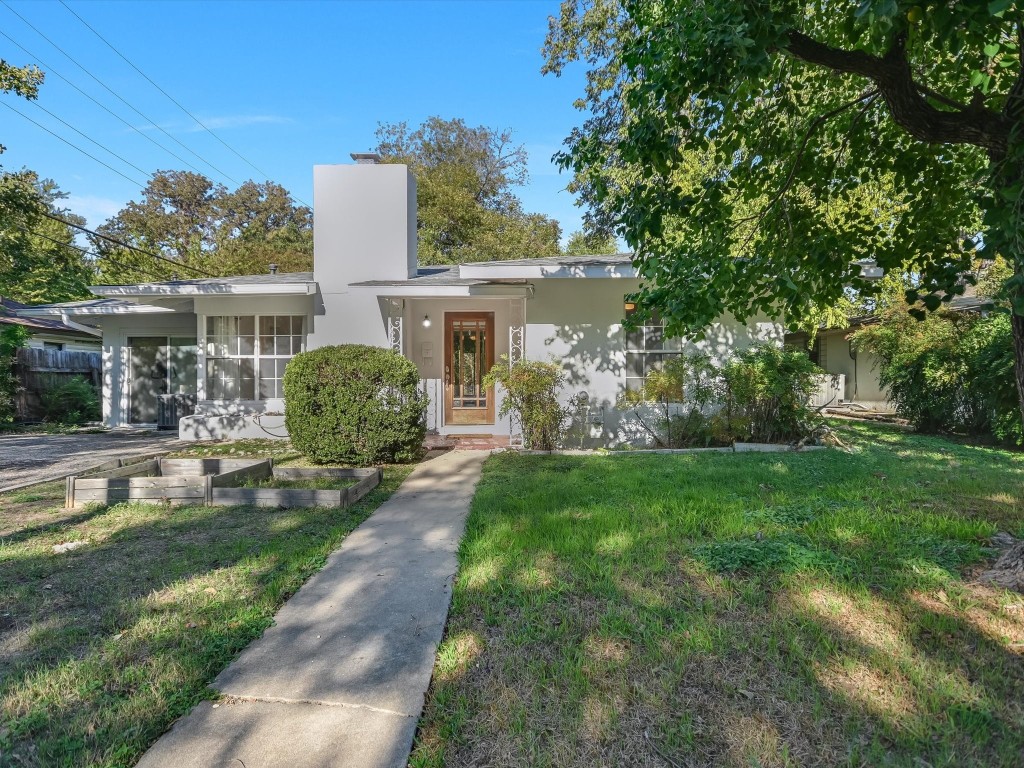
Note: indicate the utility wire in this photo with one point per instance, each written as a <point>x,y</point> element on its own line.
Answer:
<point>89,138</point>
<point>256,168</point>
<point>132,268</point>
<point>114,93</point>
<point>73,146</point>
<point>178,264</point>
<point>51,71</point>
<point>165,93</point>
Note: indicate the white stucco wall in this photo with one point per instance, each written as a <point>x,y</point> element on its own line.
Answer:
<point>579,322</point>
<point>859,366</point>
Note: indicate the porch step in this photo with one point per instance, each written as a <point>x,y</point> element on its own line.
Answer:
<point>466,442</point>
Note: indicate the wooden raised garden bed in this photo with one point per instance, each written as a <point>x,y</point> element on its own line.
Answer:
<point>216,482</point>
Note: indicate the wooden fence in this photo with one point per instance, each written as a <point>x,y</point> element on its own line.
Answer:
<point>37,369</point>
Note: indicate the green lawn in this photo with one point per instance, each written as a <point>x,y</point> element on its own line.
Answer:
<point>103,647</point>
<point>740,609</point>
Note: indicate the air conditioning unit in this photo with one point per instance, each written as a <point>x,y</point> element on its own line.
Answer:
<point>170,408</point>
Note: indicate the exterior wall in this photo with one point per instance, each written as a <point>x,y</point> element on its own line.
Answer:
<point>859,367</point>
<point>237,419</point>
<point>579,322</point>
<point>71,343</point>
<point>116,331</point>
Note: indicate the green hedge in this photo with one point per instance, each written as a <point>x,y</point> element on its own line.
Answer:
<point>354,404</point>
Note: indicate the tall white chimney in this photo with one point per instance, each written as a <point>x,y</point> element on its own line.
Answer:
<point>364,228</point>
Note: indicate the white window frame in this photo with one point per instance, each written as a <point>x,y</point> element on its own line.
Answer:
<point>651,333</point>
<point>256,356</point>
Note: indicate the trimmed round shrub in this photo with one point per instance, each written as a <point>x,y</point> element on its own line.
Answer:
<point>354,404</point>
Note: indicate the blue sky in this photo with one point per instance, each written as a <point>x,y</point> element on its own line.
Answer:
<point>287,85</point>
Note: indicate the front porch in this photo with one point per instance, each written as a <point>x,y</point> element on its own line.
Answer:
<point>454,342</point>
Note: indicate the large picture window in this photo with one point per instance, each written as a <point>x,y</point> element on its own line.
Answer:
<point>647,349</point>
<point>246,355</point>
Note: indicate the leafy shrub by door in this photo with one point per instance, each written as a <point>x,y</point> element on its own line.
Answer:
<point>69,400</point>
<point>354,404</point>
<point>531,396</point>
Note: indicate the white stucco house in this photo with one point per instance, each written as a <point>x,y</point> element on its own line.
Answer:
<point>224,342</point>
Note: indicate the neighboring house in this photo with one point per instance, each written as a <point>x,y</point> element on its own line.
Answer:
<point>48,332</point>
<point>833,352</point>
<point>226,341</point>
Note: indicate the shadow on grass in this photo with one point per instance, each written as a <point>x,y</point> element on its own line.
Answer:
<point>105,646</point>
<point>735,610</point>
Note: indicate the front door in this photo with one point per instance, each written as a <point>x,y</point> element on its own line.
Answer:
<point>468,356</point>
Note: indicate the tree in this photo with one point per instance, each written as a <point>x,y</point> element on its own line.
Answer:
<point>190,220</point>
<point>583,243</point>
<point>781,110</point>
<point>23,81</point>
<point>467,207</point>
<point>39,260</point>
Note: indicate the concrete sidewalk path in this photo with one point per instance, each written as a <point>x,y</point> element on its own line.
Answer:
<point>340,678</point>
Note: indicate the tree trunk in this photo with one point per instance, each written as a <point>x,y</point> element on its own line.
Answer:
<point>1017,323</point>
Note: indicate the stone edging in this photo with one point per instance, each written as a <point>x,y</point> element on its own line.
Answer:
<point>736,448</point>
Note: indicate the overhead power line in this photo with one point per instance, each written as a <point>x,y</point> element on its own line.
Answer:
<point>115,241</point>
<point>177,103</point>
<point>130,267</point>
<point>165,93</point>
<point>115,93</point>
<point>89,138</point>
<point>52,71</point>
<point>73,146</point>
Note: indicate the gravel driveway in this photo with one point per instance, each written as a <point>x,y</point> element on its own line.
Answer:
<point>34,458</point>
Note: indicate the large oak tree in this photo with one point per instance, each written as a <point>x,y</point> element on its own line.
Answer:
<point>466,179</point>
<point>723,137</point>
<point>196,223</point>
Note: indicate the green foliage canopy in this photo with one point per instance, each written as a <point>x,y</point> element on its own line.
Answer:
<point>191,220</point>
<point>39,261</point>
<point>721,134</point>
<point>466,179</point>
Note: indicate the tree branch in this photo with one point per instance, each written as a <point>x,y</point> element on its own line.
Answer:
<point>970,124</point>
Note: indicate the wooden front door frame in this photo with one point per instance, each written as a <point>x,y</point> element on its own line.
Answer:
<point>453,415</point>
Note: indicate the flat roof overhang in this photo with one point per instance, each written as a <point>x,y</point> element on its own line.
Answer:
<point>220,289</point>
<point>480,291</point>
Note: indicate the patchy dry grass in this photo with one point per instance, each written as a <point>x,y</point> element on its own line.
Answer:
<point>103,647</point>
<point>741,610</point>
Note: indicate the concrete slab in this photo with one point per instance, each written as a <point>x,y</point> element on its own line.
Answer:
<point>361,635</point>
<point>259,734</point>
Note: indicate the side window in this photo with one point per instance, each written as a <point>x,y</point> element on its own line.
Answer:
<point>647,348</point>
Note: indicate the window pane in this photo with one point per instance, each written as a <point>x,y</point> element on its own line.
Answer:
<point>281,365</point>
<point>635,339</point>
<point>655,337</point>
<point>266,388</point>
<point>266,326</point>
<point>247,326</point>
<point>298,321</point>
<point>282,345</point>
<point>296,344</point>
<point>267,369</point>
<point>246,345</point>
<point>634,364</point>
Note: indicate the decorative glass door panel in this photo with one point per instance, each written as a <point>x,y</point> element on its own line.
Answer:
<point>469,355</point>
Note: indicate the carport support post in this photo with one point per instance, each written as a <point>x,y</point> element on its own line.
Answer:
<point>208,489</point>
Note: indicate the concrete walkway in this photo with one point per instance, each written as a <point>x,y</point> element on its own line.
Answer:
<point>339,680</point>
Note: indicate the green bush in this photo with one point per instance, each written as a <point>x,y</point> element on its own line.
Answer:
<point>12,338</point>
<point>531,396</point>
<point>69,400</point>
<point>951,372</point>
<point>760,394</point>
<point>354,404</point>
<point>766,391</point>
